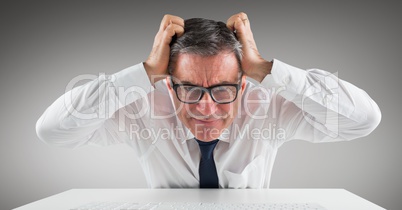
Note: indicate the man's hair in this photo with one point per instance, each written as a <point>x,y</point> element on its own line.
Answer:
<point>206,38</point>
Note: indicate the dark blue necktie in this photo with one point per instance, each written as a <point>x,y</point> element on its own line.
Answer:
<point>207,170</point>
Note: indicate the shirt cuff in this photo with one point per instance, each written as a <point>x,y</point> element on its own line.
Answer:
<point>285,79</point>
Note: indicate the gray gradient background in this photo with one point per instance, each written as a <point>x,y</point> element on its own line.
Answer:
<point>45,44</point>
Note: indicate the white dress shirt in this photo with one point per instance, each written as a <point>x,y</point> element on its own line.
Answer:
<point>290,103</point>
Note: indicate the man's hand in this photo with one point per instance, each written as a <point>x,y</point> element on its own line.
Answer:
<point>253,64</point>
<point>158,60</point>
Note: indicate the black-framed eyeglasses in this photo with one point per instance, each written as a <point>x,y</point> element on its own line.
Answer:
<point>221,94</point>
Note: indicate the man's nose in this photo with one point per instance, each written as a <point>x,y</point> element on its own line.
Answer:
<point>206,106</point>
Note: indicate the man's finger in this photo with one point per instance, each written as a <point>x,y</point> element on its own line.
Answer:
<point>231,22</point>
<point>168,19</point>
<point>240,26</point>
<point>170,31</point>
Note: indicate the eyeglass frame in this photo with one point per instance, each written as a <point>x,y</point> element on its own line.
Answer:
<point>206,89</point>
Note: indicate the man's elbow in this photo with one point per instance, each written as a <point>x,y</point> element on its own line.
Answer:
<point>43,132</point>
<point>49,132</point>
<point>372,121</point>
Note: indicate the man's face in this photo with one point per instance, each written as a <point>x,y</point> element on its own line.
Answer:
<point>207,119</point>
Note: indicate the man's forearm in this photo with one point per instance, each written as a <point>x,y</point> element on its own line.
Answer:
<point>260,71</point>
<point>74,117</point>
<point>323,99</point>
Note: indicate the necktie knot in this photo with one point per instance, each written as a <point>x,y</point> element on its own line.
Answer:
<point>207,148</point>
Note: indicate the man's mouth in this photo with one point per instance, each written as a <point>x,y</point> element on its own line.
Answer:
<point>205,121</point>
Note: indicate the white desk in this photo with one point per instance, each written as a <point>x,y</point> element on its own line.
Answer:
<point>328,198</point>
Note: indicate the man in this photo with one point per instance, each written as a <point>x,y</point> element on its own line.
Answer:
<point>218,118</point>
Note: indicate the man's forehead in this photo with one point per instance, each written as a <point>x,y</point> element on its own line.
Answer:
<point>197,69</point>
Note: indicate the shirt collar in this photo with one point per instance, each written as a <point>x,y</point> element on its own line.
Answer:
<point>223,137</point>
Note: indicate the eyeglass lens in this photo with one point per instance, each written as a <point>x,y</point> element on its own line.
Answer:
<point>220,94</point>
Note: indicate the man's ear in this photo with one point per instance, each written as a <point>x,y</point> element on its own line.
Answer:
<point>169,83</point>
<point>243,82</point>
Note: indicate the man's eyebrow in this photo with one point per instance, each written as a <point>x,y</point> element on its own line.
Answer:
<point>185,82</point>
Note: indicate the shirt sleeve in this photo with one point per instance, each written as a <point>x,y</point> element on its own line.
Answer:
<point>84,114</point>
<point>317,106</point>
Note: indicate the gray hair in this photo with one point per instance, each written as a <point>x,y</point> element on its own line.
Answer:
<point>206,38</point>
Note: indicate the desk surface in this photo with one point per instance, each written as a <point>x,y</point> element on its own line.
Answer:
<point>328,198</point>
